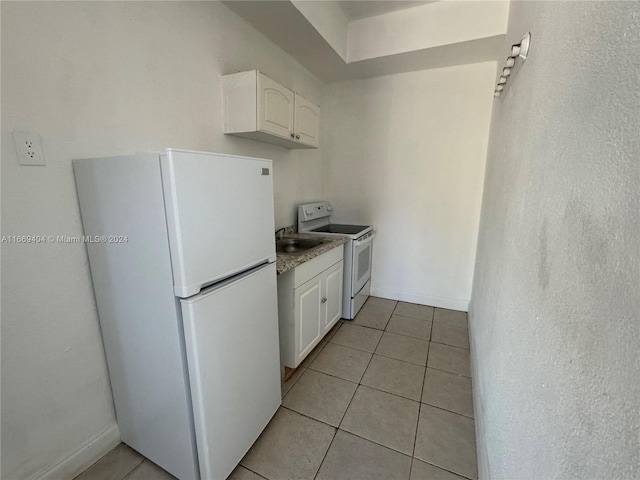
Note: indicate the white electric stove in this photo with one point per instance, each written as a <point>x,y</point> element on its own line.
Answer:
<point>315,218</point>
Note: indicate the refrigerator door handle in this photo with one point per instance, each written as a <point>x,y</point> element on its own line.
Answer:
<point>232,278</point>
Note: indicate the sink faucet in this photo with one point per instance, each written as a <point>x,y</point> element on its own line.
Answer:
<point>280,233</point>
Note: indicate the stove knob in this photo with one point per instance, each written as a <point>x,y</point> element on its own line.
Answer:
<point>308,212</point>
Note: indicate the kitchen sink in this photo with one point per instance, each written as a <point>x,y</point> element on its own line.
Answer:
<point>297,245</point>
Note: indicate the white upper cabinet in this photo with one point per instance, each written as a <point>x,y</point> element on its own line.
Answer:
<point>307,121</point>
<point>258,108</point>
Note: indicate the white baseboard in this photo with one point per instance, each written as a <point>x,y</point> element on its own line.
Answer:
<point>450,303</point>
<point>83,457</point>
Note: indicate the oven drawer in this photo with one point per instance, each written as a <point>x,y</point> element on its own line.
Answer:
<point>358,301</point>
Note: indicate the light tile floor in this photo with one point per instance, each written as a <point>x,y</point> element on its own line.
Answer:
<point>385,396</point>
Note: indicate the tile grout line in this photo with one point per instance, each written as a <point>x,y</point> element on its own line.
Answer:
<point>447,410</point>
<point>415,440</point>
<point>345,413</point>
<point>424,379</point>
<point>445,469</point>
<point>325,342</point>
<point>303,368</point>
<point>402,335</point>
<point>354,348</point>
<point>429,340</point>
<point>359,349</point>
<point>453,346</point>
<point>306,415</point>
<point>335,432</point>
<point>359,384</point>
<point>342,430</point>
<point>375,443</point>
<point>391,315</point>
<point>294,383</point>
<point>383,356</point>
<point>408,336</point>
<point>449,345</point>
<point>413,318</point>
<point>334,376</point>
<point>255,473</point>
<point>128,474</point>
<point>403,361</point>
<point>423,403</point>
<point>447,371</point>
<point>351,401</point>
<point>368,386</point>
<point>365,385</point>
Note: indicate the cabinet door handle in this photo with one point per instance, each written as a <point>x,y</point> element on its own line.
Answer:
<point>324,300</point>
<point>298,137</point>
<point>293,135</point>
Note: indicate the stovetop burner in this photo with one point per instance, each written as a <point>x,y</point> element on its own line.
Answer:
<point>340,228</point>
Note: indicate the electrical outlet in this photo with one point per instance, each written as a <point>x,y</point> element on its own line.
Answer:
<point>29,148</point>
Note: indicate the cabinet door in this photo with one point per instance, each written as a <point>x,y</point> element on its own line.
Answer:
<point>275,108</point>
<point>307,118</point>
<point>332,298</point>
<point>307,301</point>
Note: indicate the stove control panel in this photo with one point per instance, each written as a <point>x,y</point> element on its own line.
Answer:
<point>312,211</point>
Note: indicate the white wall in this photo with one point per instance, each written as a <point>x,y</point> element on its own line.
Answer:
<point>406,153</point>
<point>555,316</point>
<point>94,79</point>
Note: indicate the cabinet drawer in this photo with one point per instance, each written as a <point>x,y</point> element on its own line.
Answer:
<point>305,272</point>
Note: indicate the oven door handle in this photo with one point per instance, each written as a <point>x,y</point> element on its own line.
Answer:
<point>369,239</point>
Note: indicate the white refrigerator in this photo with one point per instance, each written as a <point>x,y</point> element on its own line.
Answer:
<point>182,255</point>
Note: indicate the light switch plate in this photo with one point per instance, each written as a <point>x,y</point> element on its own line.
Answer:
<point>29,148</point>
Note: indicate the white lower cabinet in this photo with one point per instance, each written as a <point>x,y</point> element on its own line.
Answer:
<point>309,305</point>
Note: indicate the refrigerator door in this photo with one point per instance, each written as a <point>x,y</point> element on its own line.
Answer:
<point>231,334</point>
<point>219,216</point>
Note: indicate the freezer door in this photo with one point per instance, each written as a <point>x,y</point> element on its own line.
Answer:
<point>231,334</point>
<point>219,216</point>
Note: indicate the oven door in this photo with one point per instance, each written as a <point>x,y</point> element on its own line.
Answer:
<point>362,250</point>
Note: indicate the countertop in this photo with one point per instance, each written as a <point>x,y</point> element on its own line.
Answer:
<point>287,261</point>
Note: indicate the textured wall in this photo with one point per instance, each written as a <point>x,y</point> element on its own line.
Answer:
<point>406,153</point>
<point>96,79</point>
<point>555,311</point>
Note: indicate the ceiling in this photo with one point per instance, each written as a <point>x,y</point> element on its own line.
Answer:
<point>450,33</point>
<point>357,9</point>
